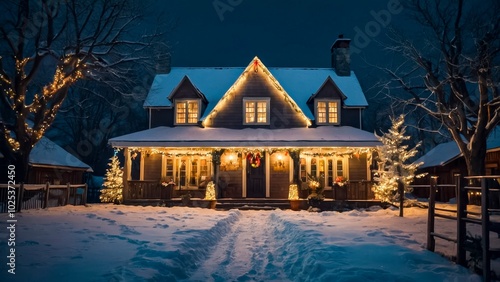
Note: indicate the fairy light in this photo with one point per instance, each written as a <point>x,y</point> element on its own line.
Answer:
<point>254,65</point>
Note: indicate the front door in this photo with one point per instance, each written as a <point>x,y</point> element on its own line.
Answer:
<point>256,180</point>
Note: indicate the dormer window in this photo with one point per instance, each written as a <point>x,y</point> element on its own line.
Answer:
<point>187,111</point>
<point>256,110</point>
<point>328,111</point>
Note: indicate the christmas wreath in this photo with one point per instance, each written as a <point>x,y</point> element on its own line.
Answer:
<point>254,159</point>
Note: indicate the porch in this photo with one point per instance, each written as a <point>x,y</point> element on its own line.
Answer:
<point>152,190</point>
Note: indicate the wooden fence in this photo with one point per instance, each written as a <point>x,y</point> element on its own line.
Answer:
<point>37,196</point>
<point>465,187</point>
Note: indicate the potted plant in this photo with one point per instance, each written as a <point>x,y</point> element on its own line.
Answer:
<point>167,188</point>
<point>186,199</point>
<point>293,197</point>
<point>210,195</point>
<point>341,184</point>
<point>315,186</point>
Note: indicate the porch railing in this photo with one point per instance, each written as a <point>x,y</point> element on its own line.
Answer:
<point>152,189</point>
<point>360,190</point>
<point>144,189</point>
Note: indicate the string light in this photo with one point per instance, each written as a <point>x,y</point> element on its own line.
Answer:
<point>237,84</point>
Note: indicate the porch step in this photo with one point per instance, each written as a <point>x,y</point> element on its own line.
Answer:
<point>252,204</point>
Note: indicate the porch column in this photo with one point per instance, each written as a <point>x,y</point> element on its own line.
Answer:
<point>126,174</point>
<point>141,177</point>
<point>268,174</point>
<point>244,178</point>
<point>295,155</point>
<point>216,155</point>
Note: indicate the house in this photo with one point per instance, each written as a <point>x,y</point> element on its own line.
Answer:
<point>254,130</point>
<point>445,160</point>
<point>48,162</point>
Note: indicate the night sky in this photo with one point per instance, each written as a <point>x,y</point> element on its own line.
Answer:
<point>282,33</point>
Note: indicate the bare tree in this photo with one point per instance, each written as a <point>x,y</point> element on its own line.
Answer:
<point>47,46</point>
<point>450,70</point>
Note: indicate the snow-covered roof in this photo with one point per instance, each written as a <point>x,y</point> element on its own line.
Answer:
<point>440,155</point>
<point>445,153</point>
<point>299,83</point>
<point>191,136</point>
<point>48,153</point>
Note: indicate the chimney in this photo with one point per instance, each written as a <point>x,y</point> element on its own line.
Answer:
<point>162,60</point>
<point>341,60</point>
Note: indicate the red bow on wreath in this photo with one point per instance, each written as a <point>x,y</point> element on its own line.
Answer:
<point>254,159</point>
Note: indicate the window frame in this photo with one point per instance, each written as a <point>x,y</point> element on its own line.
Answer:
<point>187,102</point>
<point>327,101</point>
<point>256,100</point>
<point>183,167</point>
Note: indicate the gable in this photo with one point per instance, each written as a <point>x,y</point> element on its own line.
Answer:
<point>329,90</point>
<point>186,90</point>
<point>256,82</point>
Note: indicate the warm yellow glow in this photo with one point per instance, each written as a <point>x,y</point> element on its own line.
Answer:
<point>237,86</point>
<point>293,192</point>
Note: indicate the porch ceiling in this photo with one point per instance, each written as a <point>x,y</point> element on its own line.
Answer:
<point>192,136</point>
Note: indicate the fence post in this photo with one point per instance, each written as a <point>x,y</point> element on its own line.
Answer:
<point>20,196</point>
<point>46,198</point>
<point>84,197</point>
<point>461,195</point>
<point>485,221</point>
<point>67,194</point>
<point>74,195</point>
<point>431,241</point>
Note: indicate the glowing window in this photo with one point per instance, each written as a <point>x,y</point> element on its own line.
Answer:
<point>327,112</point>
<point>186,112</point>
<point>256,110</point>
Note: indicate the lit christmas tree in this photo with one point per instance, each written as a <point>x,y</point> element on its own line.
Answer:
<point>113,183</point>
<point>393,163</point>
<point>210,192</point>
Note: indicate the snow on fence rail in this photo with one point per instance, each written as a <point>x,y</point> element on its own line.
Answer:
<point>37,196</point>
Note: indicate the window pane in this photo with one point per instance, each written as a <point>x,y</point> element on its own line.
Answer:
<point>340,171</point>
<point>261,112</point>
<point>203,167</point>
<point>182,174</point>
<point>249,112</point>
<point>321,112</point>
<point>314,167</point>
<point>193,179</point>
<point>193,112</point>
<point>330,172</point>
<point>303,174</point>
<point>169,172</point>
<point>181,112</point>
<point>332,112</point>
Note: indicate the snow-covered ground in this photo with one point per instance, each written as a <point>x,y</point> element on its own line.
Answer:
<point>105,242</point>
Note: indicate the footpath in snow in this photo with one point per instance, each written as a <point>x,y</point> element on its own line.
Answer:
<point>251,251</point>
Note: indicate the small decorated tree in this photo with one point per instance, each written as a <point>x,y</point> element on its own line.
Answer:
<point>113,183</point>
<point>210,192</point>
<point>395,171</point>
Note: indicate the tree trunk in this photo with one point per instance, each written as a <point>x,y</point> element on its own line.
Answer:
<point>475,159</point>
<point>21,162</point>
